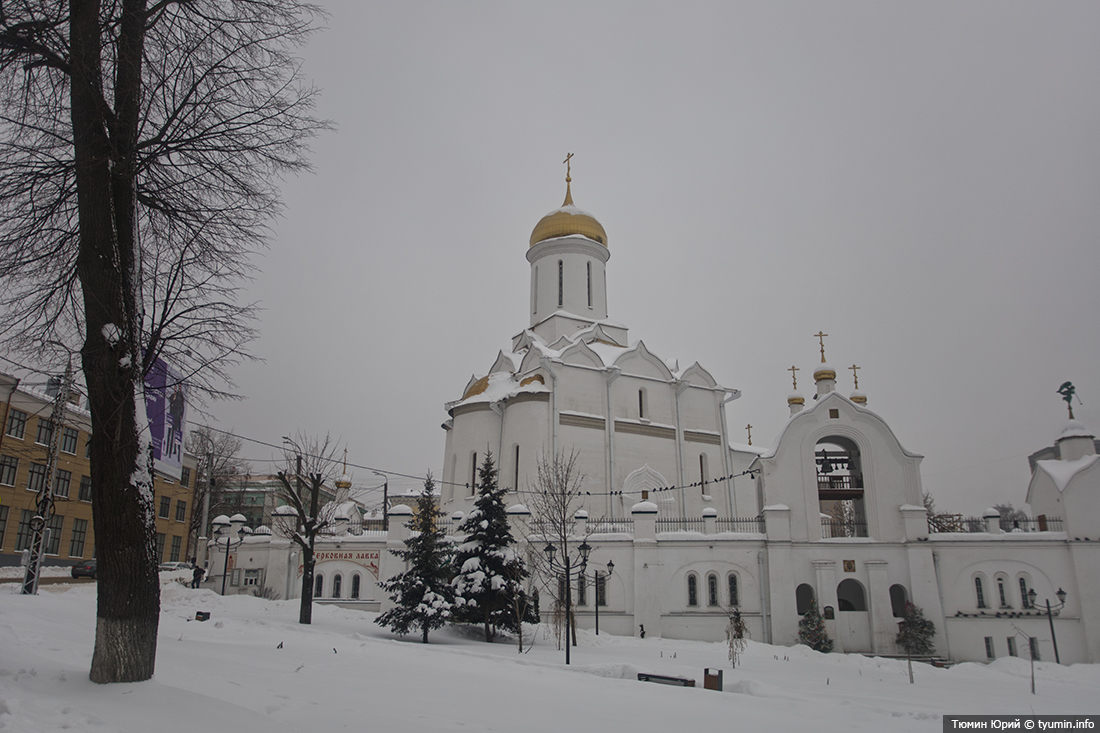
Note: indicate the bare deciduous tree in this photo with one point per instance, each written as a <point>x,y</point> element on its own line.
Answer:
<point>219,460</point>
<point>140,142</point>
<point>301,518</point>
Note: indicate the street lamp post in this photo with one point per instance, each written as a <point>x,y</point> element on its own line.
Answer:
<point>596,577</point>
<point>566,567</point>
<point>1031,594</point>
<point>230,527</point>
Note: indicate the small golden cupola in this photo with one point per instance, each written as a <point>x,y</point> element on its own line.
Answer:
<point>568,220</point>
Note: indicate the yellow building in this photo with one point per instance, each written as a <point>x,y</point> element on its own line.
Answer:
<point>24,449</point>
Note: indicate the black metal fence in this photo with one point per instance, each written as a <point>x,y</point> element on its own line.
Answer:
<point>958,524</point>
<point>747,525</point>
<point>676,524</point>
<point>842,528</point>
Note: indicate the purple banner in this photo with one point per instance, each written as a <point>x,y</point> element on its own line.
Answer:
<point>166,407</point>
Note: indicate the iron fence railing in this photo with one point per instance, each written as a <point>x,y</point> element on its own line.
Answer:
<point>752,525</point>
<point>958,524</point>
<point>674,524</point>
<point>831,528</point>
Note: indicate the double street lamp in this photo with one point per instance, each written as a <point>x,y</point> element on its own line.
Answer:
<point>231,528</point>
<point>1031,595</point>
<point>564,569</point>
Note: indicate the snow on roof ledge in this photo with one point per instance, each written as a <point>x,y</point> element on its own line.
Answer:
<point>1062,472</point>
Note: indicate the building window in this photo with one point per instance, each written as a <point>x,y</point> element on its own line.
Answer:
<point>55,525</point>
<point>989,653</point>
<point>8,466</point>
<point>185,477</point>
<point>734,599</point>
<point>88,448</point>
<point>473,473</point>
<point>561,283</point>
<point>1012,646</point>
<point>63,483</point>
<point>24,534</point>
<point>36,477</point>
<point>693,590</point>
<point>17,424</point>
<point>1033,647</point>
<point>515,485</point>
<point>1025,602</point>
<point>582,588</point>
<point>174,553</point>
<point>160,547</point>
<point>318,585</point>
<point>712,590</point>
<point>252,576</point>
<point>4,510</point>
<point>85,488</point>
<point>803,597</point>
<point>601,590</point>
<point>80,533</point>
<point>643,406</point>
<point>355,580</point>
<point>1002,593</point>
<point>979,593</point>
<point>165,507</point>
<point>850,596</point>
<point>589,265</point>
<point>69,440</point>
<point>45,431</point>
<point>181,510</point>
<point>337,581</point>
<point>703,472</point>
<point>898,598</point>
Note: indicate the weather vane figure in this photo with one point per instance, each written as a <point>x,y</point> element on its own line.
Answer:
<point>1067,390</point>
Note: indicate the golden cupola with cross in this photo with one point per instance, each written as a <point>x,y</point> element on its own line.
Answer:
<point>568,220</point>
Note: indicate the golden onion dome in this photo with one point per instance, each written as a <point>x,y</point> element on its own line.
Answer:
<point>566,221</point>
<point>824,371</point>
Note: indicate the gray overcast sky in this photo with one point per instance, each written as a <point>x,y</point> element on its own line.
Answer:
<point>919,180</point>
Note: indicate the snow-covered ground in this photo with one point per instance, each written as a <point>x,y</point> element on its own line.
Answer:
<point>344,672</point>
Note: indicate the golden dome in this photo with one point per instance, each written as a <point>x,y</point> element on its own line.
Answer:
<point>566,221</point>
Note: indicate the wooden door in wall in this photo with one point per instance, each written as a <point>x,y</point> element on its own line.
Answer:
<point>854,628</point>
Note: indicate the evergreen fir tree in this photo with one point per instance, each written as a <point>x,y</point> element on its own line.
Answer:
<point>489,584</point>
<point>811,630</point>
<point>423,593</point>
<point>915,632</point>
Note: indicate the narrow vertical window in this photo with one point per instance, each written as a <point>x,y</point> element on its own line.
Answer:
<point>515,482</point>
<point>318,585</point>
<point>1033,647</point>
<point>355,586</point>
<point>589,266</point>
<point>1024,600</point>
<point>989,653</point>
<point>693,590</point>
<point>1003,596</point>
<point>1012,646</point>
<point>733,598</point>
<point>641,404</point>
<point>337,582</point>
<point>601,590</point>
<point>582,588</point>
<point>978,592</point>
<point>561,283</point>
<point>473,473</point>
<point>703,478</point>
<point>535,292</point>
<point>712,590</point>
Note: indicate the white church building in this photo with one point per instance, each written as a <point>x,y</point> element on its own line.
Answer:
<point>696,524</point>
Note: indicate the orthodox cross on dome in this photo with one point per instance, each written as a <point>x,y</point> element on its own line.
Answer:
<point>821,337</point>
<point>1067,390</point>
<point>568,180</point>
<point>794,377</point>
<point>854,375</point>
<point>345,460</point>
<point>749,429</point>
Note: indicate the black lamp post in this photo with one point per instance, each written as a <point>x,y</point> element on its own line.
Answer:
<point>1031,594</point>
<point>234,525</point>
<point>596,576</point>
<point>566,568</point>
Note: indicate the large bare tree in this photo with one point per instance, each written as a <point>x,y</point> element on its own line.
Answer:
<point>140,143</point>
<point>219,458</point>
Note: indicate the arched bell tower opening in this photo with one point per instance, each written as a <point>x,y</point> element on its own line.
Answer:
<point>840,487</point>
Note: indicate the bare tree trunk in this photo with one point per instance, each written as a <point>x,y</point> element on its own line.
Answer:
<point>128,608</point>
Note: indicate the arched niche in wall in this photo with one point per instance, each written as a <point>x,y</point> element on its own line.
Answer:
<point>840,486</point>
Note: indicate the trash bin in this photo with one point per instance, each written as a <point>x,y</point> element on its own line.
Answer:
<point>202,615</point>
<point>712,679</point>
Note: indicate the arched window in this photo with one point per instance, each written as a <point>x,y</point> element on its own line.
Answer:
<point>601,590</point>
<point>582,588</point>
<point>849,596</point>
<point>561,283</point>
<point>355,586</point>
<point>1002,591</point>
<point>803,597</point>
<point>734,599</point>
<point>1025,602</point>
<point>979,593</point>
<point>589,284</point>
<point>337,581</point>
<point>693,590</point>
<point>898,598</point>
<point>712,589</point>
<point>318,585</point>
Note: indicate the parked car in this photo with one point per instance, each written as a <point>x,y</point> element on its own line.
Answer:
<point>175,566</point>
<point>85,569</point>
